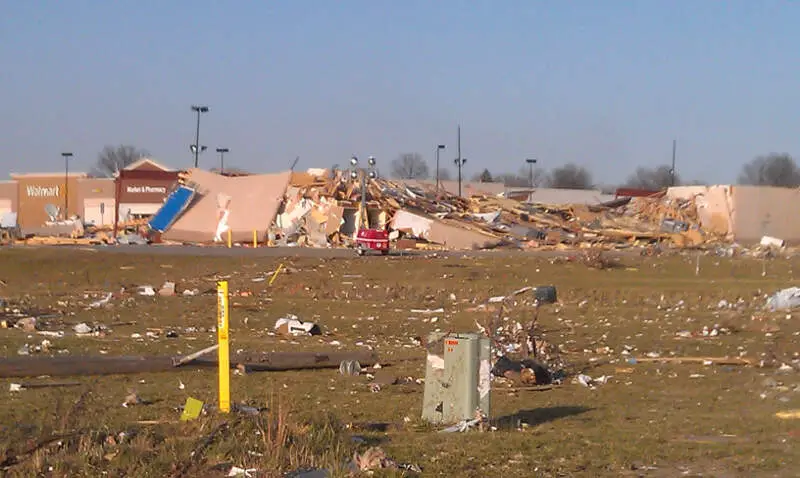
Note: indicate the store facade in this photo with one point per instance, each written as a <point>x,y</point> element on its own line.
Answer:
<point>38,194</point>
<point>142,187</point>
<point>97,200</point>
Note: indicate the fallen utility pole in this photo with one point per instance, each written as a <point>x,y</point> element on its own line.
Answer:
<point>255,362</point>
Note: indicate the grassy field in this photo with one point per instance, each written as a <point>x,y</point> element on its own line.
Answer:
<point>649,419</point>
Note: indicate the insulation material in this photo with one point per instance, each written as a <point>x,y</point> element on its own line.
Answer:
<point>223,213</point>
<point>414,224</point>
<point>335,220</point>
<point>714,206</point>
<point>455,237</point>
<point>253,205</point>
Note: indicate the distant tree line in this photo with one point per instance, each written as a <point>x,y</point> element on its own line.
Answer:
<point>776,169</point>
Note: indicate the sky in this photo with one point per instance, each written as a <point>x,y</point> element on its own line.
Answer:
<point>606,85</point>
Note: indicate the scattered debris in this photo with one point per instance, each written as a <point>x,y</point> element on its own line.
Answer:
<point>192,409</point>
<point>784,299</point>
<point>788,415</point>
<point>590,382</point>
<point>291,325</point>
<point>375,458</point>
<point>350,367</point>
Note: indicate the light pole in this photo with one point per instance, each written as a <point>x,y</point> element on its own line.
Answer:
<point>460,164</point>
<point>66,157</point>
<point>530,162</point>
<point>196,148</point>
<point>222,152</point>
<point>459,160</point>
<point>363,175</point>
<point>438,148</point>
<point>672,171</point>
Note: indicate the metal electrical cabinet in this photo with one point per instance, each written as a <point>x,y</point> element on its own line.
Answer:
<point>457,377</point>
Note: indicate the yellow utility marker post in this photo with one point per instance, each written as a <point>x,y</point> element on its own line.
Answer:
<point>255,238</point>
<point>230,243</point>
<point>223,351</point>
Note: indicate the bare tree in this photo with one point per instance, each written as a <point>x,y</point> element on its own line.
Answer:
<point>571,176</point>
<point>772,170</point>
<point>522,179</point>
<point>112,159</point>
<point>654,179</point>
<point>484,177</point>
<point>410,166</point>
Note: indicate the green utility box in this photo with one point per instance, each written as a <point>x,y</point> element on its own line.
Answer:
<point>457,378</point>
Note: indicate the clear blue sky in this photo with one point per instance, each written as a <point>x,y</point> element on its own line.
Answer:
<point>606,84</point>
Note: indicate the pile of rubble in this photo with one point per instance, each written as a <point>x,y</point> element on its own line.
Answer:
<point>322,208</point>
<point>324,211</point>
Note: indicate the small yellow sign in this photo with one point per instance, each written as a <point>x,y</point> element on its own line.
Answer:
<point>223,316</point>
<point>192,409</point>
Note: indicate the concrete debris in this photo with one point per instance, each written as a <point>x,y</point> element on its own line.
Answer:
<point>102,302</point>
<point>82,329</point>
<point>784,299</point>
<point>293,326</point>
<point>167,290</point>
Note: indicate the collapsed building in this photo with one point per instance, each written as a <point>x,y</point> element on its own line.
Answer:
<point>321,208</point>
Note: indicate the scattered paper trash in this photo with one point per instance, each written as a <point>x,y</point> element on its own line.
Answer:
<point>590,382</point>
<point>462,426</point>
<point>15,387</point>
<point>131,400</point>
<point>102,302</point>
<point>82,329</point>
<point>147,290</point>
<point>247,473</point>
<point>350,367</point>
<point>769,241</point>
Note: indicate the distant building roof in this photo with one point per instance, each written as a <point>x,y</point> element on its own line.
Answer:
<point>559,196</point>
<point>147,164</point>
<point>46,175</point>
<point>468,188</point>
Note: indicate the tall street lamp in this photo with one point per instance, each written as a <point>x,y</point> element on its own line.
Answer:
<point>364,175</point>
<point>196,148</point>
<point>459,160</point>
<point>672,170</point>
<point>460,164</point>
<point>66,157</point>
<point>438,148</point>
<point>222,152</point>
<point>530,162</point>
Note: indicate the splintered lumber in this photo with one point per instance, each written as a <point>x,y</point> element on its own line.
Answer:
<point>714,360</point>
<point>268,361</point>
<point>195,355</point>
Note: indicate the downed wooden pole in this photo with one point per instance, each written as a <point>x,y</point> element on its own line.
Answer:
<point>711,360</point>
<point>267,361</point>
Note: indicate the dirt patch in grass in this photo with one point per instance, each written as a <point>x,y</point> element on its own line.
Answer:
<point>649,419</point>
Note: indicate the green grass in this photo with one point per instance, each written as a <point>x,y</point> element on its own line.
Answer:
<point>681,419</point>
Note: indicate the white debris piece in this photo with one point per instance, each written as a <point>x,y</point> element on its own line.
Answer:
<point>784,299</point>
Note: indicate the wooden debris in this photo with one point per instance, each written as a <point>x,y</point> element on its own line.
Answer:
<point>712,360</point>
